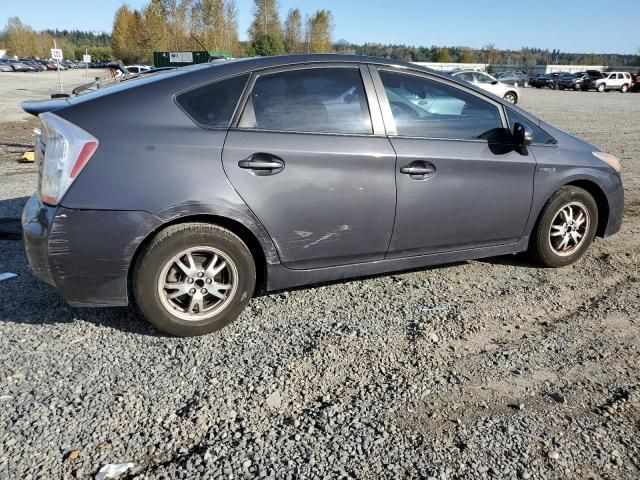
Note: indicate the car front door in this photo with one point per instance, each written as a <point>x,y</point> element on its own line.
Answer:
<point>460,184</point>
<point>311,159</point>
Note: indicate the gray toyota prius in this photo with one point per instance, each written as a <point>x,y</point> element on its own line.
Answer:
<point>192,190</point>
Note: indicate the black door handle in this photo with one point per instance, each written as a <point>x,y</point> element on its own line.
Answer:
<point>419,170</point>
<point>263,163</point>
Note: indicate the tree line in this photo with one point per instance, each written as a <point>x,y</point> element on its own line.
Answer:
<point>525,57</point>
<point>177,25</point>
<point>22,41</point>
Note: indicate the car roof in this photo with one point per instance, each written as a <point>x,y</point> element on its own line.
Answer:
<point>184,78</point>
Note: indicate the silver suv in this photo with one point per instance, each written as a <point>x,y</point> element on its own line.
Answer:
<point>613,81</point>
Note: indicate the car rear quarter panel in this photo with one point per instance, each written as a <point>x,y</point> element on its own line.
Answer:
<point>154,166</point>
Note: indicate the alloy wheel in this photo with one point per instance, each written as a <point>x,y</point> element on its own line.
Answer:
<point>197,283</point>
<point>569,228</point>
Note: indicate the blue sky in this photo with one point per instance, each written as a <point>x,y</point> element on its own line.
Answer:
<point>570,25</point>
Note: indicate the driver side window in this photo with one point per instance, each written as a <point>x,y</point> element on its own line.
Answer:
<point>426,108</point>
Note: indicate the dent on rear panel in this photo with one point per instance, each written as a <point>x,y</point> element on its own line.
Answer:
<point>218,207</point>
<point>101,245</point>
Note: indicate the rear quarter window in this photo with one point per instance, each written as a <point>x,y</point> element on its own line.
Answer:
<point>213,104</point>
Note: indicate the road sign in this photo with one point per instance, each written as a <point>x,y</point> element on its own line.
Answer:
<point>56,53</point>
<point>86,58</point>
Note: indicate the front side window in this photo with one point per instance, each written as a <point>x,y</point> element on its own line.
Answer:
<point>468,76</point>
<point>482,78</point>
<point>425,108</point>
<point>212,105</point>
<point>312,100</point>
<point>539,136</point>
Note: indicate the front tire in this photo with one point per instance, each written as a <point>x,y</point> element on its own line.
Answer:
<point>194,279</point>
<point>624,88</point>
<point>566,227</point>
<point>602,88</point>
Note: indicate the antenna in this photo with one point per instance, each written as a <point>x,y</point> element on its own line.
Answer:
<point>200,43</point>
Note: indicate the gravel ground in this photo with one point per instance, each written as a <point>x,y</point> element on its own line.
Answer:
<point>484,369</point>
<point>16,87</point>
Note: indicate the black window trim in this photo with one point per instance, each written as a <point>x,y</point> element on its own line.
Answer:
<point>377,125</point>
<point>206,84</point>
<point>386,108</point>
<point>534,144</point>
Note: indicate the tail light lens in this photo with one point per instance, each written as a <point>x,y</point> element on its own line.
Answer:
<point>62,151</point>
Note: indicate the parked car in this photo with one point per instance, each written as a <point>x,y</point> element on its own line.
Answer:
<point>137,68</point>
<point>610,81</point>
<point>48,64</point>
<point>576,81</point>
<point>202,186</point>
<point>549,80</point>
<point>635,86</point>
<point>516,78</point>
<point>5,67</point>
<point>18,66</point>
<point>589,82</point>
<point>36,67</point>
<point>489,83</point>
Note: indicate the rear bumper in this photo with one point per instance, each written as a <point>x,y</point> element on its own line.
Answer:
<point>36,220</point>
<point>84,254</point>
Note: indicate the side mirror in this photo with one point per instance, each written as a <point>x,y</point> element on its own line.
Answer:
<point>495,82</point>
<point>522,135</point>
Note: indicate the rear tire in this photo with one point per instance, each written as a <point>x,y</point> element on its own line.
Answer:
<point>566,227</point>
<point>194,279</point>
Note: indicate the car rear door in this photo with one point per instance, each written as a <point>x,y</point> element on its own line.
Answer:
<point>460,184</point>
<point>311,159</point>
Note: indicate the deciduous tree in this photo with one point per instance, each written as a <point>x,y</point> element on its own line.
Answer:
<point>293,31</point>
<point>319,27</point>
<point>266,20</point>
<point>20,39</point>
<point>126,38</point>
<point>442,56</point>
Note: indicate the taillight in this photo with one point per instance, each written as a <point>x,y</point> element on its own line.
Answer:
<point>67,149</point>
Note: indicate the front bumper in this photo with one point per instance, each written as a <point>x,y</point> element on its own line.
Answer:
<point>84,254</point>
<point>615,198</point>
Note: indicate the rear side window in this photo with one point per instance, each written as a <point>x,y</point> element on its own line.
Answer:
<point>539,136</point>
<point>313,100</point>
<point>430,109</point>
<point>212,105</point>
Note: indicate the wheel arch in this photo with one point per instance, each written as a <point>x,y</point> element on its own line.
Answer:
<point>242,231</point>
<point>601,201</point>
